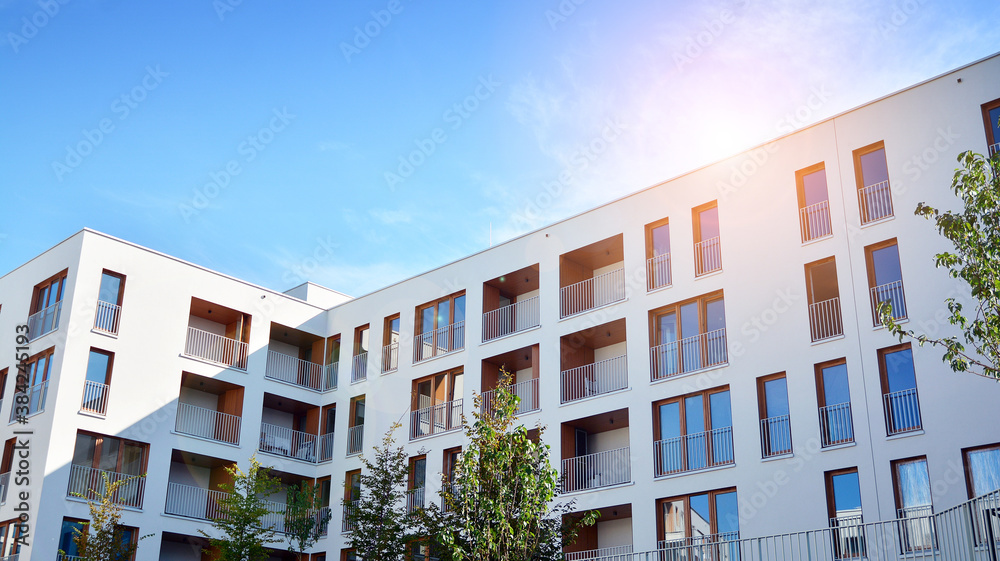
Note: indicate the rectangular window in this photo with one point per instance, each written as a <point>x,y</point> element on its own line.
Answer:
<point>359,360</point>
<point>982,475</point>
<point>823,292</point>
<point>834,394</point>
<point>692,432</point>
<point>658,254</point>
<point>872,176</point>
<point>46,306</point>
<point>96,456</point>
<point>814,203</point>
<point>699,526</point>
<point>352,494</point>
<point>991,121</point>
<point>109,302</point>
<point>912,488</point>
<point>3,385</point>
<point>98,382</point>
<point>390,344</point>
<point>440,327</point>
<point>707,247</point>
<point>899,390</point>
<point>775,421</point>
<point>436,405</point>
<point>36,378</point>
<point>10,531</point>
<point>71,528</point>
<point>688,336</point>
<point>885,280</point>
<point>843,499</point>
<point>416,482</point>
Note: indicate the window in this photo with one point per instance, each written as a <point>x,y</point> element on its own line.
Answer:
<point>699,526</point>
<point>913,503</point>
<point>982,469</point>
<point>885,280</point>
<point>332,368</point>
<point>872,176</point>
<point>355,430</point>
<point>3,385</point>
<point>814,203</point>
<point>416,482</point>
<point>823,291</point>
<point>352,494</point>
<point>109,302</point>
<point>440,327</point>
<point>775,422</point>
<point>121,460</point>
<point>10,531</point>
<point>688,336</point>
<point>450,465</point>
<point>36,382</point>
<point>71,527</point>
<point>390,344</point>
<point>899,390</point>
<point>436,405</point>
<point>46,306</point>
<point>707,248</point>
<point>348,555</point>
<point>834,394</point>
<point>692,432</point>
<point>359,365</point>
<point>843,499</point>
<point>98,383</point>
<point>328,423</point>
<point>991,121</point>
<point>658,254</point>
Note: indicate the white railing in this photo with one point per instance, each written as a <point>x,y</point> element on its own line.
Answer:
<point>776,436</point>
<point>825,320</point>
<point>359,367</point>
<point>292,370</point>
<point>688,355</point>
<point>902,411</point>
<point>692,452</point>
<point>355,439</point>
<point>875,201</point>
<point>44,321</point>
<point>511,318</point>
<point>415,499</point>
<point>442,417</point>
<point>527,391</point>
<point>106,317</point>
<point>616,553</point>
<point>601,377</point>
<point>707,256</point>
<point>815,221</point>
<point>95,397</point>
<point>286,442</point>
<point>835,424</point>
<point>892,293</point>
<point>88,483</point>
<point>36,401</point>
<point>917,528</point>
<point>4,484</point>
<point>275,517</point>
<point>438,342</point>
<point>705,547</point>
<point>390,358</point>
<point>193,502</point>
<point>323,516</point>
<point>216,348</point>
<point>606,288</point>
<point>326,447</point>
<point>658,272</point>
<point>207,423</point>
<point>330,375</point>
<point>349,508</point>
<point>601,469</point>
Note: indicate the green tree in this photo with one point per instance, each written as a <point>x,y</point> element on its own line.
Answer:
<point>241,515</point>
<point>975,234</point>
<point>103,538</point>
<point>305,520</point>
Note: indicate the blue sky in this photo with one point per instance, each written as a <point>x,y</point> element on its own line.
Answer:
<point>358,143</point>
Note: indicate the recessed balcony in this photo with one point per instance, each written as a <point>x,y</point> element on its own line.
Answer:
<point>592,276</point>
<point>511,303</point>
<point>295,357</point>
<point>593,362</point>
<point>290,429</point>
<point>217,334</point>
<point>210,409</point>
<point>595,452</point>
<point>523,366</point>
<point>608,539</point>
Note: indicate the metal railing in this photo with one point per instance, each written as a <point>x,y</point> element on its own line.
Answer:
<point>594,379</point>
<point>359,367</point>
<point>511,318</point>
<point>917,528</point>
<point>848,536</point>
<point>95,397</point>
<point>216,348</point>
<point>616,553</point>
<point>658,272</point>
<point>106,317</point>
<point>326,447</point>
<point>286,442</point>
<point>527,391</point>
<point>835,424</point>
<point>293,370</point>
<point>207,423</point>
<point>415,499</point>
<point>88,483</point>
<point>355,439</point>
<point>688,355</point>
<point>693,452</point>
<point>707,256</point>
<point>442,417</point>
<point>705,547</point>
<point>390,358</point>
<point>606,288</point>
<point>902,411</point>
<point>593,471</point>
<point>4,485</point>
<point>193,502</point>
<point>892,293</point>
<point>44,321</point>
<point>440,341</point>
<point>875,202</point>
<point>349,508</point>
<point>776,436</point>
<point>815,221</point>
<point>330,374</point>
<point>825,320</point>
<point>36,400</point>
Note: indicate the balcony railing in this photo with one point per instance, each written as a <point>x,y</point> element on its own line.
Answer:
<point>355,439</point>
<point>616,553</point>
<point>286,442</point>
<point>835,424</point>
<point>88,483</point>
<point>606,288</point>
<point>207,423</point>
<point>442,417</point>
<point>658,272</point>
<point>902,411</point>
<point>390,358</point>
<point>415,499</point>
<point>216,348</point>
<point>349,508</point>
<point>4,485</point>
<point>848,536</point>
<point>326,447</point>
<point>330,374</point>
<point>688,355</point>
<point>106,317</point>
<point>693,452</point>
<point>891,293</point>
<point>815,221</point>
<point>875,201</point>
<point>193,502</point>
<point>292,370</point>
<point>36,401</point>
<point>44,321</point>
<point>713,546</point>
<point>917,528</point>
<point>707,256</point>
<point>776,436</point>
<point>594,379</point>
<point>593,471</point>
<point>511,318</point>
<point>526,390</point>
<point>825,321</point>
<point>359,367</point>
<point>95,397</point>
<point>441,341</point>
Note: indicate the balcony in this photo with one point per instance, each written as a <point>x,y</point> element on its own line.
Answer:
<point>415,499</point>
<point>441,341</point>
<point>776,436</point>
<point>658,272</point>
<point>44,321</point>
<point>512,318</point>
<point>106,317</point>
<point>917,529</point>
<point>390,358</point>
<point>88,483</point>
<point>601,290</point>
<point>592,276</point>
<point>707,256</point>
<point>693,452</point>
<point>436,419</point>
<point>890,293</point>
<point>835,424</point>
<point>616,553</point>
<point>207,423</point>
<point>95,397</point>
<point>712,546</point>
<point>216,348</point>
<point>690,354</point>
<point>355,439</point>
<point>825,321</point>
<point>902,412</point>
<point>600,469</point>
<point>598,378</point>
<point>287,442</point>
<point>875,202</point>
<point>848,536</point>
<point>193,502</point>
<point>359,368</point>
<point>815,221</point>
<point>289,369</point>
<point>36,402</point>
<point>527,391</point>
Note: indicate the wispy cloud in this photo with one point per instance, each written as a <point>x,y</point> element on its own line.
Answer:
<point>390,217</point>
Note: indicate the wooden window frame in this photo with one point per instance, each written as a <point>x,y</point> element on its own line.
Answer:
<point>411,471</point>
<point>705,405</point>
<point>3,383</point>
<point>387,330</point>
<point>870,260</point>
<point>447,466</point>
<point>703,301</point>
<point>696,218</point>
<point>883,372</point>
<point>986,107</point>
<point>121,286</point>
<point>450,376</point>
<point>818,369</point>
<point>61,276</point>
<point>864,151</point>
<point>98,446</point>
<point>828,476</point>
<point>359,337</point>
<point>434,304</point>
<point>349,487</point>
<point>713,515</point>
<point>32,366</point>
<point>111,363</point>
<point>969,488</point>
<point>353,410</point>
<point>800,186</point>
<point>328,359</point>
<point>896,489</point>
<point>346,554</point>
<point>762,397</point>
<point>649,236</point>
<point>809,267</point>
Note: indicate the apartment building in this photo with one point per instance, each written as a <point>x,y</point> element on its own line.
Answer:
<point>704,354</point>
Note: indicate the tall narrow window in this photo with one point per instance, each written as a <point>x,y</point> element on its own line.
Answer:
<point>688,336</point>
<point>775,422</point>
<point>331,372</point>
<point>991,120</point>
<point>913,503</point>
<point>899,390</point>
<point>359,364</point>
<point>3,386</point>
<point>355,430</point>
<point>36,372</point>
<point>98,383</point>
<point>885,280</point>
<point>109,302</point>
<point>825,321</point>
<point>872,175</point>
<point>982,466</point>
<point>440,327</point>
<point>352,494</point>
<point>699,526</point>
<point>843,499</point>
<point>390,344</point>
<point>658,254</point>
<point>693,432</point>
<point>835,423</point>
<point>436,405</point>
<point>707,247</point>
<point>416,482</point>
<point>46,306</point>
<point>71,527</point>
<point>814,203</point>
